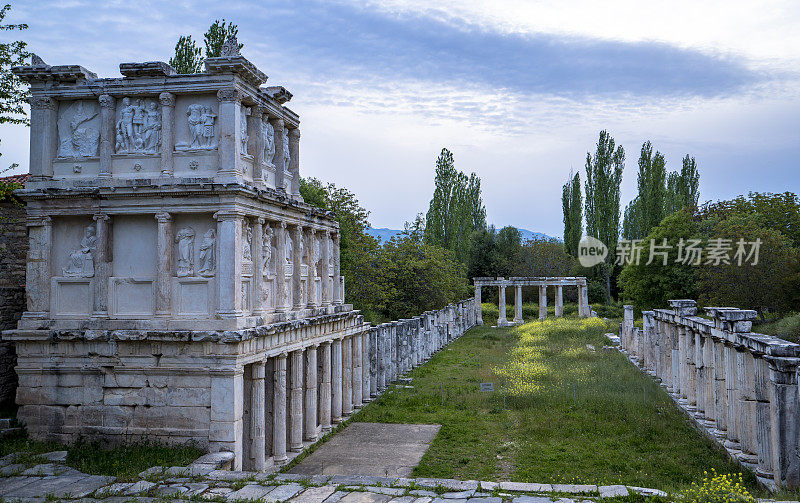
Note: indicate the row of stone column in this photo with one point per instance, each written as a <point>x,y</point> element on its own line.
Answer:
<point>741,386</point>
<point>584,309</point>
<point>295,397</point>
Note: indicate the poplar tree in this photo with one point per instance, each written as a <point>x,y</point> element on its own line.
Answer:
<point>187,58</point>
<point>13,91</point>
<point>218,33</point>
<point>603,179</point>
<point>572,202</point>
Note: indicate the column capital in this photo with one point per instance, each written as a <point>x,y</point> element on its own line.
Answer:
<point>229,95</point>
<point>163,217</point>
<point>261,220</point>
<point>166,99</point>
<point>294,133</point>
<point>283,224</point>
<point>106,101</point>
<point>227,215</point>
<point>43,103</point>
<point>313,231</point>
<point>100,216</point>
<point>39,221</point>
<point>277,122</point>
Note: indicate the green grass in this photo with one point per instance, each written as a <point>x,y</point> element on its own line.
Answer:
<point>124,462</point>
<point>589,416</point>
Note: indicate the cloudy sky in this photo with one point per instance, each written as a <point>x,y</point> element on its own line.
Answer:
<point>518,90</point>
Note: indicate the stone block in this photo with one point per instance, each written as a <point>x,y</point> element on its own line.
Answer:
<point>249,492</point>
<point>613,491</point>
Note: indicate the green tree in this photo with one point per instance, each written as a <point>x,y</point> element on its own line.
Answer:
<point>780,212</point>
<point>13,91</point>
<point>456,209</point>
<point>508,243</point>
<point>187,58</point>
<point>482,254</point>
<point>572,202</point>
<point>543,257</point>
<point>651,285</point>
<point>603,179</point>
<point>218,33</point>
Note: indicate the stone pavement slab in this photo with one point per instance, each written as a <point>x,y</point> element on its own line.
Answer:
<point>532,499</point>
<point>249,492</point>
<point>524,487</point>
<point>283,492</point>
<point>452,484</point>
<point>371,449</point>
<point>314,494</point>
<point>612,491</point>
<point>362,497</point>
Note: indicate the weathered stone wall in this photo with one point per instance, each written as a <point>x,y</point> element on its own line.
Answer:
<point>13,250</point>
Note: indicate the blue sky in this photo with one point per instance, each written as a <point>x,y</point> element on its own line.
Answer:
<point>517,90</point>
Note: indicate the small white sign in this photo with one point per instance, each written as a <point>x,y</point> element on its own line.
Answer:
<point>487,386</point>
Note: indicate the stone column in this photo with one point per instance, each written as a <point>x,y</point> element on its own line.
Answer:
<point>357,374</point>
<point>44,127</point>
<point>297,276</point>
<point>256,145</point>
<point>720,393</point>
<point>347,376</point>
<point>102,265</point>
<point>542,302</point>
<point>784,426</point>
<point>338,297</point>
<point>164,269</point>
<point>108,119</point>
<point>559,301</point>
<point>762,420</point>
<point>229,264</point>
<point>518,305</point>
<point>277,159</point>
<point>747,407</point>
<point>258,271</point>
<point>279,411</point>
<point>325,392</point>
<point>310,413</point>
<point>294,160</point>
<point>326,269</point>
<point>37,278</point>
<point>381,369</point>
<point>501,304</point>
<point>373,363</point>
<point>732,391</point>
<point>227,408</point>
<point>230,133</point>
<point>312,270</point>
<point>478,309</point>
<point>296,396</point>
<point>258,416</point>
<point>336,390</point>
<point>167,101</point>
<point>710,381</point>
<point>281,296</point>
<point>683,379</point>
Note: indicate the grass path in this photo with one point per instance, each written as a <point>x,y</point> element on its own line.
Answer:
<point>571,414</point>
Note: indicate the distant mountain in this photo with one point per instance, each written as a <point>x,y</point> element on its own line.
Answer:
<point>383,234</point>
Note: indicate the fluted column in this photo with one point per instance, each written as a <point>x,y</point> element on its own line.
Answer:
<point>167,101</point>
<point>255,146</point>
<point>518,305</point>
<point>501,304</point>
<point>277,159</point>
<point>107,134</point>
<point>258,416</point>
<point>336,389</point>
<point>325,392</point>
<point>382,357</point>
<point>164,268</point>
<point>310,413</point>
<point>230,133</point>
<point>326,269</point>
<point>296,396</point>
<point>297,277</point>
<point>559,302</point>
<point>44,127</point>
<point>357,377</point>
<point>372,363</point>
<point>229,264</point>
<point>102,265</point>
<point>279,411</point>
<point>294,160</point>
<point>258,270</point>
<point>347,376</point>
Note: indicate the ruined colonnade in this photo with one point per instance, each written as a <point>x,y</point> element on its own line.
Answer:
<point>584,310</point>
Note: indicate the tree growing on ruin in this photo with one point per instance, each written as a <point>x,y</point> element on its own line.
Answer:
<point>572,202</point>
<point>456,209</point>
<point>603,179</point>
<point>187,58</point>
<point>217,34</point>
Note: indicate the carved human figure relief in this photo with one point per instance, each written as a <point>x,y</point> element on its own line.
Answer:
<point>289,254</point>
<point>185,241</point>
<point>286,155</point>
<point>330,255</point>
<point>200,119</point>
<point>245,137</point>
<point>269,140</point>
<point>247,242</point>
<point>317,251</point>
<point>266,251</point>
<point>81,259</point>
<point>79,130</point>
<point>138,128</point>
<point>207,259</point>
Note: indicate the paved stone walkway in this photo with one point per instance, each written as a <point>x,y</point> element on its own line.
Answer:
<point>24,477</point>
<point>371,449</point>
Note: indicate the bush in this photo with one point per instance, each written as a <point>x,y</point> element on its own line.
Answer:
<point>787,328</point>
<point>614,310</point>
<point>719,489</point>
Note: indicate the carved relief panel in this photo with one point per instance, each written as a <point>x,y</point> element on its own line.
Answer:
<point>138,126</point>
<point>78,129</point>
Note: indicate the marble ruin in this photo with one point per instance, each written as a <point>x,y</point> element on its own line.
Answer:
<point>178,287</point>
<point>739,387</point>
<point>584,310</point>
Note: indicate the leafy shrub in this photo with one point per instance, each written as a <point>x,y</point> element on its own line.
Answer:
<point>613,310</point>
<point>716,488</point>
<point>787,328</point>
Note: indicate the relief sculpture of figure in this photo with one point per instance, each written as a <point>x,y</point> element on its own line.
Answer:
<point>152,129</point>
<point>245,137</point>
<point>125,126</point>
<point>79,135</point>
<point>208,127</point>
<point>247,243</point>
<point>81,260</point>
<point>200,119</point>
<point>286,155</point>
<point>185,241</point>
<point>289,254</point>
<point>207,259</point>
<point>269,141</point>
<point>139,127</point>
<point>266,251</point>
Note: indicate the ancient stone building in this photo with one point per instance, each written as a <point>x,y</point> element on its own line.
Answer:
<point>178,287</point>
